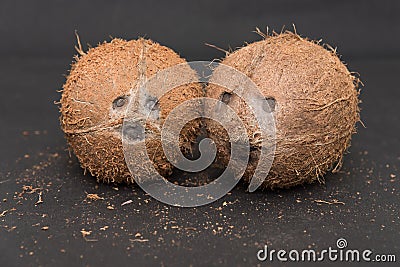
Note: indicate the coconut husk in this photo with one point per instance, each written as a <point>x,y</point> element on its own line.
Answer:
<point>314,100</point>
<point>94,100</point>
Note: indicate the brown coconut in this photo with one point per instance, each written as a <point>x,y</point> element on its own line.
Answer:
<point>314,99</point>
<point>95,97</point>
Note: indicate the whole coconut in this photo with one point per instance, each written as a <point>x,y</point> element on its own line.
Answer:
<point>94,101</point>
<point>314,100</point>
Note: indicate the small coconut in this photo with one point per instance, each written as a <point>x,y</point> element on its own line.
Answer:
<point>314,100</point>
<point>94,101</point>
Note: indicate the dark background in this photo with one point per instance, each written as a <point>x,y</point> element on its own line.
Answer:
<point>44,29</point>
<point>36,49</point>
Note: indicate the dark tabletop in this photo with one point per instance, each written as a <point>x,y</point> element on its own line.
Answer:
<point>360,203</point>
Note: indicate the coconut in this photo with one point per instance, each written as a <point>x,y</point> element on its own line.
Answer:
<point>94,101</point>
<point>314,100</point>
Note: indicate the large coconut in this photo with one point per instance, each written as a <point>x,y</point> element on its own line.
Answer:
<point>95,98</point>
<point>314,99</point>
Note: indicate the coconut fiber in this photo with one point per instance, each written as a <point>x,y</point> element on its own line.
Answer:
<point>314,100</point>
<point>94,100</point>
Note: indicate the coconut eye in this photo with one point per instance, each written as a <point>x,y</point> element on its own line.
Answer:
<point>133,132</point>
<point>119,102</point>
<point>271,104</point>
<point>226,97</point>
<point>150,106</point>
<point>151,103</point>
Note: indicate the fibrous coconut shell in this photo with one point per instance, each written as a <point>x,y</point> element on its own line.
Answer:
<point>314,100</point>
<point>94,101</point>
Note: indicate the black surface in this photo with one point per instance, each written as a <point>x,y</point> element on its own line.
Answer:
<point>37,51</point>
